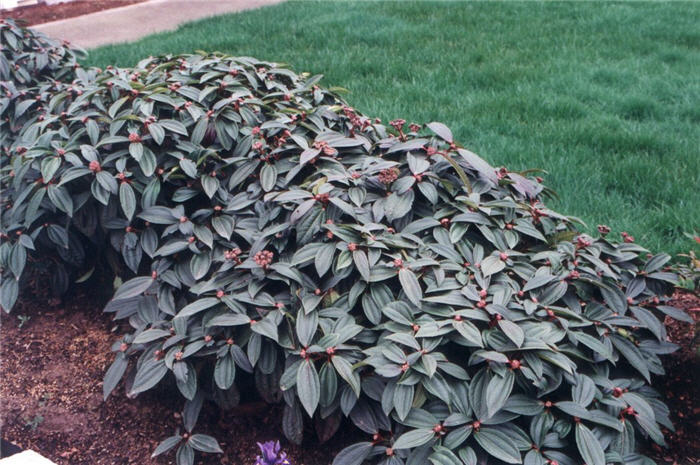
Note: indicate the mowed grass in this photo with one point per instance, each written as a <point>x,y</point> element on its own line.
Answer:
<point>603,96</point>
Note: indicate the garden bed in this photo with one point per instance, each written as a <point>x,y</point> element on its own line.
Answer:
<point>51,395</point>
<point>38,14</point>
<point>680,389</point>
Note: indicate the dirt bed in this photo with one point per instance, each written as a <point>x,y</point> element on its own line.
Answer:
<point>51,396</point>
<point>38,14</point>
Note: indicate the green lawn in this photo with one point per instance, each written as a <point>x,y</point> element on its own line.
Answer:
<point>604,96</point>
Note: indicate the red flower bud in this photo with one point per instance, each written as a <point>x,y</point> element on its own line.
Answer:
<point>263,258</point>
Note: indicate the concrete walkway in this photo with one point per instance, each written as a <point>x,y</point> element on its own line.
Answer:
<point>132,22</point>
<point>28,457</point>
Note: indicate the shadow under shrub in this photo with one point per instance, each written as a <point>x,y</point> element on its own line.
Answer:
<point>385,274</point>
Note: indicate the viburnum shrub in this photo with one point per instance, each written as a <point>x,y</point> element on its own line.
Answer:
<point>380,273</point>
<point>32,66</point>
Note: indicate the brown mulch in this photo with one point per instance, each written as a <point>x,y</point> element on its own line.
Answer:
<point>680,388</point>
<point>38,14</point>
<point>51,395</point>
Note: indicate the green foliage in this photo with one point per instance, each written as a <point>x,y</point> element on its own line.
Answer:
<point>384,274</point>
<point>30,65</point>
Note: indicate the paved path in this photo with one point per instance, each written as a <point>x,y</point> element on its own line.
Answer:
<point>28,457</point>
<point>132,22</point>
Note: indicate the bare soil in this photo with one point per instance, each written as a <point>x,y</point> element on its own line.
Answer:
<point>38,14</point>
<point>51,395</point>
<point>680,389</point>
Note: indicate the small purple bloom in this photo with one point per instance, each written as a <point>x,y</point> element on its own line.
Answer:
<point>271,454</point>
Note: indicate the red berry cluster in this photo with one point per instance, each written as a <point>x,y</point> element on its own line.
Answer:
<point>263,258</point>
<point>174,86</point>
<point>325,148</point>
<point>95,166</point>
<point>134,137</point>
<point>603,229</point>
<point>358,123</point>
<point>388,175</point>
<point>323,198</point>
<point>282,139</point>
<point>582,242</point>
<point>537,214</point>
<point>398,124</point>
<point>232,254</point>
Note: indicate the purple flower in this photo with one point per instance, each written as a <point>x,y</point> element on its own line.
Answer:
<point>271,454</point>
